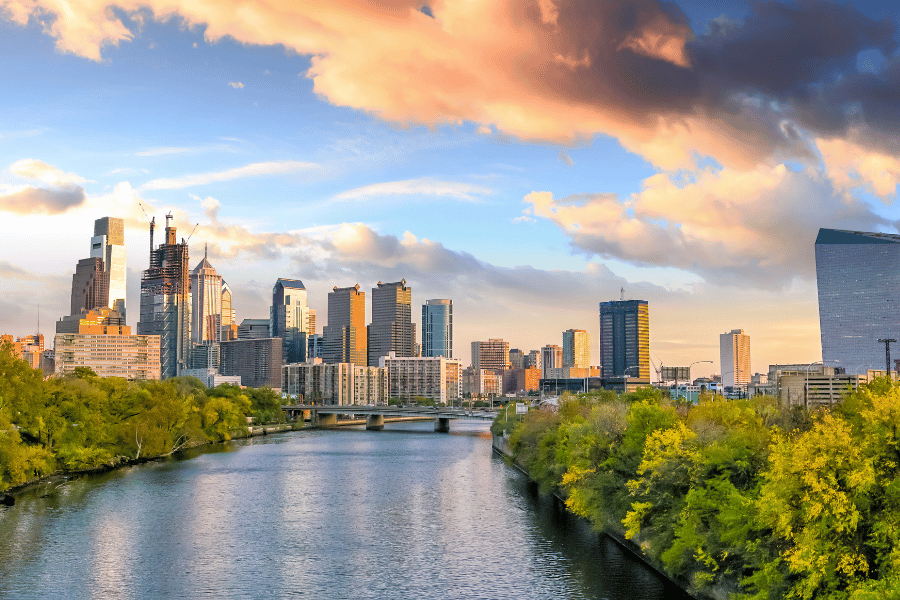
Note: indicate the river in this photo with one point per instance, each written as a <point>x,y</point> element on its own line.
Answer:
<point>402,513</point>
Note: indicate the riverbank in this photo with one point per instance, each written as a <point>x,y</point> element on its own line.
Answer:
<point>500,445</point>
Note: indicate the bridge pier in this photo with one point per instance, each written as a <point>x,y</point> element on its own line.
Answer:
<point>375,422</point>
<point>324,420</point>
<point>442,425</point>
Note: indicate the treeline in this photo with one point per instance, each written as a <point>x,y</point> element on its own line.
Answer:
<point>85,422</point>
<point>737,498</point>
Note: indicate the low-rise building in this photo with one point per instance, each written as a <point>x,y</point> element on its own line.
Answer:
<point>320,383</point>
<point>211,378</point>
<point>434,377</point>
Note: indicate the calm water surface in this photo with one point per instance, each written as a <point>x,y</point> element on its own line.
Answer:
<point>400,513</point>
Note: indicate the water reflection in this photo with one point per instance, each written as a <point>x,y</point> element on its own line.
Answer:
<point>401,513</point>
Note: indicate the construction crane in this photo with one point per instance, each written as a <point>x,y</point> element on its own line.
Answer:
<point>192,233</point>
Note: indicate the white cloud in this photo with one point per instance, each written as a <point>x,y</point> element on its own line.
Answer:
<point>419,187</point>
<point>30,168</point>
<point>236,85</point>
<point>251,170</point>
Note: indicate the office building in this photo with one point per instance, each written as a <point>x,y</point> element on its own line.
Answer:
<point>858,277</point>
<point>516,359</point>
<point>99,281</point>
<point>315,348</point>
<point>492,354</point>
<point>206,355</point>
<point>392,329</point>
<point>434,377</point>
<point>228,316</point>
<point>206,303</point>
<point>345,338</point>
<point>625,338</point>
<point>101,320</point>
<point>256,360</point>
<point>734,357</point>
<point>165,301</point>
<point>290,318</point>
<point>437,328</point>
<point>108,355</point>
<point>253,329</point>
<point>533,360</point>
<point>551,358</point>
<point>576,348</point>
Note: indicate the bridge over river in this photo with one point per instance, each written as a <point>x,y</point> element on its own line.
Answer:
<point>376,416</point>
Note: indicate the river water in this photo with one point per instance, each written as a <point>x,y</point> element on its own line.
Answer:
<point>402,513</point>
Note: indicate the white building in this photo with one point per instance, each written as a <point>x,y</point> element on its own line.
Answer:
<point>435,377</point>
<point>335,383</point>
<point>128,356</point>
<point>734,357</point>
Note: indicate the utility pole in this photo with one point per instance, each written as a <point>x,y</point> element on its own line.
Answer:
<point>887,355</point>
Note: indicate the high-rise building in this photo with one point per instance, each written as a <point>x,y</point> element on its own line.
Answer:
<point>253,329</point>
<point>165,301</point>
<point>533,360</point>
<point>290,318</point>
<point>734,356</point>
<point>206,303</point>
<point>437,328</point>
<point>551,358</point>
<point>437,378</point>
<point>516,359</point>
<point>392,328</point>
<point>492,354</point>
<point>625,338</point>
<point>257,361</point>
<point>858,276</point>
<point>576,348</point>
<point>99,281</point>
<point>345,335</point>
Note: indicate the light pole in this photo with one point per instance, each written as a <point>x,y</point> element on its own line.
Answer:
<point>625,377</point>
<point>887,355</point>
<point>696,362</point>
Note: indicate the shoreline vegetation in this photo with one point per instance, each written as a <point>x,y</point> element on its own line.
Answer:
<point>731,498</point>
<point>84,423</point>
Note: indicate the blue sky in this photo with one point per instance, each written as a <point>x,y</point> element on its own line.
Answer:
<point>508,156</point>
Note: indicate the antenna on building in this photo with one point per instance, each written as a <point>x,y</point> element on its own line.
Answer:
<point>622,296</point>
<point>205,250</point>
<point>152,224</point>
<point>38,332</point>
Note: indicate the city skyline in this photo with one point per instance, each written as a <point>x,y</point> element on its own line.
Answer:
<point>300,156</point>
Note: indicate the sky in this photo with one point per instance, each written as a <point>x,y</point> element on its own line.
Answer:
<point>526,158</point>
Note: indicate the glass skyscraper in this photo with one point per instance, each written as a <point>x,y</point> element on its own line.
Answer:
<point>858,276</point>
<point>437,328</point>
<point>625,338</point>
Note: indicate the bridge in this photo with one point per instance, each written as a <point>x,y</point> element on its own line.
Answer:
<point>327,415</point>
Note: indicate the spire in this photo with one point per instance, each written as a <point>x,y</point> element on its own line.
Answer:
<point>205,250</point>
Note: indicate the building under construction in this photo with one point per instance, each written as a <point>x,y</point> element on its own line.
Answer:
<point>166,301</point>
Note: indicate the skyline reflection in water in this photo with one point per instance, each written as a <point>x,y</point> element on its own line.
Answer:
<point>349,513</point>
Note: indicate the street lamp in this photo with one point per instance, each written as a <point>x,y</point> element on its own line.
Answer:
<point>696,362</point>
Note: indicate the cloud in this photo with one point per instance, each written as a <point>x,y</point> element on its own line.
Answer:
<point>417,187</point>
<point>564,157</point>
<point>236,85</point>
<point>31,200</point>
<point>251,170</point>
<point>560,71</point>
<point>10,271</point>
<point>165,150</point>
<point>851,165</point>
<point>29,168</point>
<point>744,228</point>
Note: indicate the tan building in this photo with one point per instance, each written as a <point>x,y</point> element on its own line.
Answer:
<point>576,348</point>
<point>433,377</point>
<point>734,355</point>
<point>319,383</point>
<point>392,329</point>
<point>108,355</point>
<point>345,335</point>
<point>492,354</point>
<point>551,358</point>
<point>482,383</point>
<point>370,385</point>
<point>97,321</point>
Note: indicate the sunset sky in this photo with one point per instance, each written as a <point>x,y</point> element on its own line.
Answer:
<point>526,158</point>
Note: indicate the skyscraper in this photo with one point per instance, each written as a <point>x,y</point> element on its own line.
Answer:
<point>290,318</point>
<point>99,281</point>
<point>576,348</point>
<point>391,329</point>
<point>734,358</point>
<point>206,303</point>
<point>551,358</point>
<point>492,354</point>
<point>165,301</point>
<point>437,328</point>
<point>345,335</point>
<point>858,277</point>
<point>625,338</point>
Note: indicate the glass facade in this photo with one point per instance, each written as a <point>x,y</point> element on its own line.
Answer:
<point>437,328</point>
<point>858,276</point>
<point>625,338</point>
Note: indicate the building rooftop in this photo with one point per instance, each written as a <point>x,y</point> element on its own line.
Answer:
<point>840,236</point>
<point>291,283</point>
